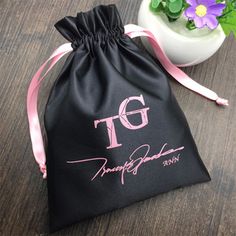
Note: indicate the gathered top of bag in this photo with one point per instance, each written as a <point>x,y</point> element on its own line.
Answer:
<point>100,23</point>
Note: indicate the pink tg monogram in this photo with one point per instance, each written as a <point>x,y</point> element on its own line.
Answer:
<point>123,117</point>
<point>135,160</point>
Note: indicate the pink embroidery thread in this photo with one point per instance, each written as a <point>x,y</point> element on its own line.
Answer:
<point>122,115</point>
<point>172,160</point>
<point>130,166</point>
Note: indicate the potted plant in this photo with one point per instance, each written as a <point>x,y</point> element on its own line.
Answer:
<point>189,31</point>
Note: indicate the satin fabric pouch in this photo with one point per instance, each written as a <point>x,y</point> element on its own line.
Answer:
<point>115,132</point>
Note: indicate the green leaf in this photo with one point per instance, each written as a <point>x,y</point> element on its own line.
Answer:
<point>228,23</point>
<point>175,6</point>
<point>155,6</point>
<point>173,16</point>
<point>228,19</point>
<point>171,8</point>
<point>155,3</point>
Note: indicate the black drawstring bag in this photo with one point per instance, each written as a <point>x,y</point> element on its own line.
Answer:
<point>115,133</point>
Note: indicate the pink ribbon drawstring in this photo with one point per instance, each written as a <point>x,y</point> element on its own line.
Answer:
<point>136,31</point>
<point>132,31</point>
<point>32,98</point>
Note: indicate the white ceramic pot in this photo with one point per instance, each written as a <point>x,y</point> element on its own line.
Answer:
<point>183,47</point>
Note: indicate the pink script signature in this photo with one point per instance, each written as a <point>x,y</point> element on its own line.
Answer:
<point>130,166</point>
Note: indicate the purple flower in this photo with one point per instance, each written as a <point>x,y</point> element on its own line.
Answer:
<point>204,12</point>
